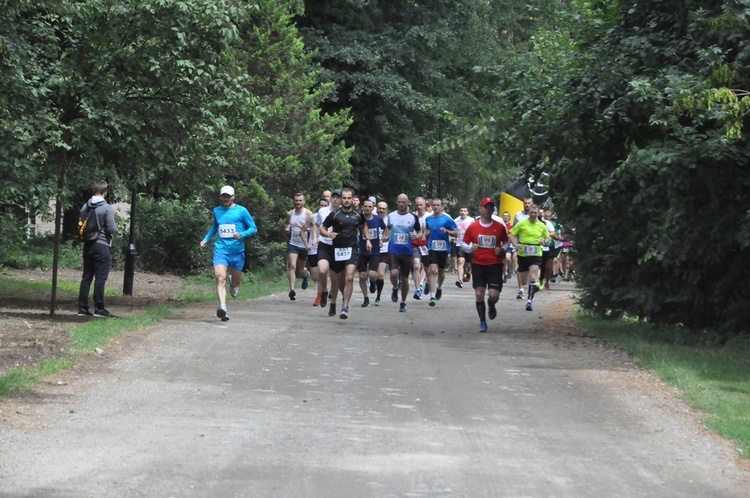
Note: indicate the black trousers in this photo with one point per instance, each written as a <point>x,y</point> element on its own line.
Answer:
<point>97,259</point>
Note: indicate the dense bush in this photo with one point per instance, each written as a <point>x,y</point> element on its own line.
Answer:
<point>168,233</point>
<point>39,253</point>
<point>12,232</point>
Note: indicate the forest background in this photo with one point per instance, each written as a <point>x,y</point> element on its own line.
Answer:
<point>637,111</point>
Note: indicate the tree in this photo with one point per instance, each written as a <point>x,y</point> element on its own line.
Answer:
<point>636,111</point>
<point>400,67</point>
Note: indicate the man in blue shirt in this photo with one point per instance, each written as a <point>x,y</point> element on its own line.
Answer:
<point>233,224</point>
<point>439,228</point>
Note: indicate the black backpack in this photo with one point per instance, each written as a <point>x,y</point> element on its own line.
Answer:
<point>88,225</point>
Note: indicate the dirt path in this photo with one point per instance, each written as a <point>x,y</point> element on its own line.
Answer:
<point>285,401</point>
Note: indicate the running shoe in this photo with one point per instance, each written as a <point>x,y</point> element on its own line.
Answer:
<point>317,299</point>
<point>459,284</point>
<point>418,295</point>
<point>103,313</point>
<point>305,281</point>
<point>553,280</point>
<point>426,289</point>
<point>483,327</point>
<point>323,299</point>
<point>402,308</point>
<point>233,291</point>
<point>433,302</point>
<point>222,313</point>
<point>292,295</point>
<point>528,305</point>
<point>332,309</point>
<point>377,302</point>
<point>394,295</point>
<point>438,294</point>
<point>84,312</point>
<point>492,312</point>
<point>520,294</point>
<point>344,313</point>
<point>373,287</point>
<point>366,304</point>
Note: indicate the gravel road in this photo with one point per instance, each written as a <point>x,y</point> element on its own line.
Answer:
<point>284,401</point>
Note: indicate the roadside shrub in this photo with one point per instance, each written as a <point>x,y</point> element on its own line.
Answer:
<point>12,232</point>
<point>168,233</point>
<point>39,252</point>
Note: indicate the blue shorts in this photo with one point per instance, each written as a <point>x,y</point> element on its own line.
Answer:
<point>235,260</point>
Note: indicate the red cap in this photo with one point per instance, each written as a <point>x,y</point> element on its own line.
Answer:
<point>487,200</point>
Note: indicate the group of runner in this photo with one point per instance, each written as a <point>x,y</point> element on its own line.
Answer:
<point>347,236</point>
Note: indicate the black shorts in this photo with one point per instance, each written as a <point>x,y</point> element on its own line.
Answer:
<point>439,258</point>
<point>526,262</point>
<point>339,266</point>
<point>365,260</point>
<point>466,254</point>
<point>401,262</point>
<point>301,252</point>
<point>312,260</point>
<point>325,252</point>
<point>487,276</point>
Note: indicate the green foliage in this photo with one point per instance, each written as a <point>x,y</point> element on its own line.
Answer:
<point>12,233</point>
<point>39,252</point>
<point>400,66</point>
<point>636,111</point>
<point>168,233</point>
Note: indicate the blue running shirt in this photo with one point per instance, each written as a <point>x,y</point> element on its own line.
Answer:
<point>227,221</point>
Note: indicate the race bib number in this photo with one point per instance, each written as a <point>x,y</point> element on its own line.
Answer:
<point>438,245</point>
<point>227,231</point>
<point>373,233</point>
<point>545,248</point>
<point>401,238</point>
<point>296,234</point>
<point>342,253</point>
<point>423,250</point>
<point>530,250</point>
<point>487,241</point>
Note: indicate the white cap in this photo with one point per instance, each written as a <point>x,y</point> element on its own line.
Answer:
<point>372,199</point>
<point>226,189</point>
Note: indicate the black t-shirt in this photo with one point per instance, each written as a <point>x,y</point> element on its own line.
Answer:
<point>346,224</point>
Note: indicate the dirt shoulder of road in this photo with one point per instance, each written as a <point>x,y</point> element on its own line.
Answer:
<point>29,336</point>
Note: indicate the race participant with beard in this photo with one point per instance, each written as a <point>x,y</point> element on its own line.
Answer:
<point>342,227</point>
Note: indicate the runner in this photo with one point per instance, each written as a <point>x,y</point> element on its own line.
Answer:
<point>369,261</point>
<point>463,220</point>
<point>529,236</point>
<point>402,228</point>
<point>325,247</point>
<point>419,249</point>
<point>233,224</point>
<point>439,228</point>
<point>297,224</point>
<point>312,254</point>
<point>511,260</point>
<point>342,226</point>
<point>486,238</point>
<point>522,215</point>
<point>380,279</point>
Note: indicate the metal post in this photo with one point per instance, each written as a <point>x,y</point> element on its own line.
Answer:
<point>127,283</point>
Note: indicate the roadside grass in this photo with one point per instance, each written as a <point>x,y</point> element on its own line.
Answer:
<point>33,290</point>
<point>97,333</point>
<point>714,378</point>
